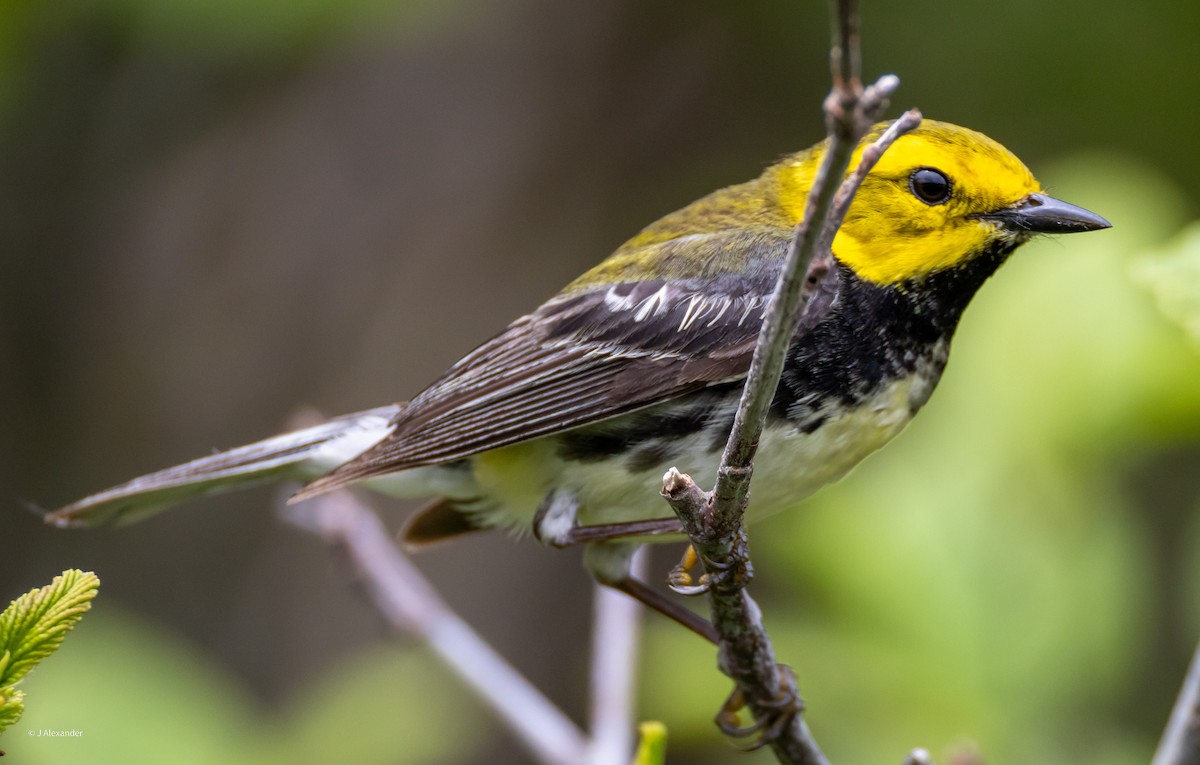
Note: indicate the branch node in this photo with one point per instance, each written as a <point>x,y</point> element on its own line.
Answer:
<point>677,484</point>
<point>737,472</point>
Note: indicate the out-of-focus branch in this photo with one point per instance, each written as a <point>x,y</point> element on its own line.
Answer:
<point>714,521</point>
<point>1180,744</point>
<point>616,629</point>
<point>410,603</point>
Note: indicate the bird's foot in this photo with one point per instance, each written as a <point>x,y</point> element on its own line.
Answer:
<point>733,573</point>
<point>775,715</point>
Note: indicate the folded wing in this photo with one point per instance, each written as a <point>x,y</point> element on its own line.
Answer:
<point>586,356</point>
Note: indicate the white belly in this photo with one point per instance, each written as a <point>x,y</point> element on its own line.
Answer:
<point>789,466</point>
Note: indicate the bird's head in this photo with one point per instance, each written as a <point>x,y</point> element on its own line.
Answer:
<point>941,196</point>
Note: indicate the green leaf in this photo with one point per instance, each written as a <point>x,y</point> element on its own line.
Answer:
<point>11,707</point>
<point>1172,275</point>
<point>34,625</point>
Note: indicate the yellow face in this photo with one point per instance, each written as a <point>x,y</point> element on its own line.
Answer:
<point>915,212</point>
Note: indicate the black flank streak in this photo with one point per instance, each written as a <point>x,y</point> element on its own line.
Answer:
<point>721,432</point>
<point>591,444</point>
<point>810,426</point>
<point>648,457</point>
<point>653,430</point>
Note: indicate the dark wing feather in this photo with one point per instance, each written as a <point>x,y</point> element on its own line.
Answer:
<point>586,356</point>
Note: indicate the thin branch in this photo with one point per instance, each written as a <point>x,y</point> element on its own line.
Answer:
<point>410,603</point>
<point>616,629</point>
<point>746,654</point>
<point>1180,744</point>
<point>845,54</point>
<point>714,521</point>
<point>827,203</point>
<point>870,157</point>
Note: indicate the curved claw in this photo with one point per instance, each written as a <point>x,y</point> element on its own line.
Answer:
<point>689,590</point>
<point>735,572</point>
<point>727,716</point>
<point>781,712</point>
<point>680,577</point>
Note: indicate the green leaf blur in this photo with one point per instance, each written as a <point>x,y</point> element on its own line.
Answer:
<point>1172,275</point>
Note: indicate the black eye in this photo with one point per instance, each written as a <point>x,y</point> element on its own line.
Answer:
<point>930,186</point>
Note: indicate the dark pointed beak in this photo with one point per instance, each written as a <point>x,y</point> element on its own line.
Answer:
<point>1038,213</point>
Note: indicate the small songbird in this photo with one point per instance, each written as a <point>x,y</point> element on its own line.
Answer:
<point>564,423</point>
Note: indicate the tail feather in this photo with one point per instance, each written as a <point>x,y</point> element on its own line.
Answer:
<point>301,454</point>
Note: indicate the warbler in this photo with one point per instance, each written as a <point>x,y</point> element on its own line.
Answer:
<point>564,423</point>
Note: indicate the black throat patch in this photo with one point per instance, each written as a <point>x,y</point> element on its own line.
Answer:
<point>874,334</point>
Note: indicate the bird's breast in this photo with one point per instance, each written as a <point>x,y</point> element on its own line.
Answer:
<point>793,462</point>
<point>794,459</point>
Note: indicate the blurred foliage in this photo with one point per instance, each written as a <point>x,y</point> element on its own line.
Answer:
<point>258,32</point>
<point>266,30</point>
<point>1173,275</point>
<point>33,627</point>
<point>138,694</point>
<point>991,576</point>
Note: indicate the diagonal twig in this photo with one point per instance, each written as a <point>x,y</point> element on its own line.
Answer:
<point>411,604</point>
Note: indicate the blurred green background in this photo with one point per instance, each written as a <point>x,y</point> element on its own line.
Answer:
<point>214,212</point>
